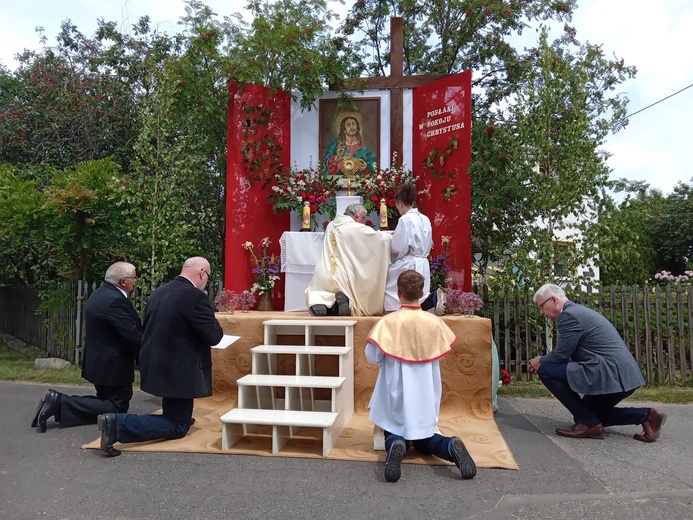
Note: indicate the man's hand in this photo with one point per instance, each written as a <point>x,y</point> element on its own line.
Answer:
<point>534,364</point>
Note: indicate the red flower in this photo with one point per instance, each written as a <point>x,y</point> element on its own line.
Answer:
<point>311,198</point>
<point>505,377</point>
<point>313,208</point>
<point>374,198</point>
<point>391,203</point>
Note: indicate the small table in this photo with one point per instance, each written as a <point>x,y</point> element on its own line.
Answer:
<point>300,251</point>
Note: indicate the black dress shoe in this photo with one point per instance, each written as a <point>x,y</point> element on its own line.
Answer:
<point>318,310</point>
<point>107,424</point>
<point>50,408</point>
<point>342,303</point>
<point>34,421</point>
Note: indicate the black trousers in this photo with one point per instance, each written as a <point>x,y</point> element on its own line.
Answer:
<point>76,410</point>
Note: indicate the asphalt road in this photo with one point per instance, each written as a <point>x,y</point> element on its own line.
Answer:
<point>50,476</point>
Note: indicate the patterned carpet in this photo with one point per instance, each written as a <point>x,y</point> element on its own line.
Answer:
<point>465,410</point>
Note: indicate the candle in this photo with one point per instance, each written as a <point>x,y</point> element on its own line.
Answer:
<point>306,216</point>
<point>383,214</point>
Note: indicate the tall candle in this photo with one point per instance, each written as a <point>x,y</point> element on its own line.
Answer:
<point>306,216</point>
<point>383,214</point>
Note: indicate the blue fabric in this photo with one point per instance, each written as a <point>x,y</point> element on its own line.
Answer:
<point>173,423</point>
<point>589,410</point>
<point>437,445</point>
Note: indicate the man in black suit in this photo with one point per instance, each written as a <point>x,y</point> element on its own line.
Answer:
<point>111,349</point>
<point>175,361</point>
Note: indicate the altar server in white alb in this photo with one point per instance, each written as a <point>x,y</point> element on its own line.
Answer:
<point>411,244</point>
<point>352,269</point>
<point>407,346</point>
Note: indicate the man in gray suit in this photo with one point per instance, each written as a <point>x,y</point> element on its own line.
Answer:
<point>590,358</point>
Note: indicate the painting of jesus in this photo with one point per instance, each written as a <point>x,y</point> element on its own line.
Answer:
<point>349,136</point>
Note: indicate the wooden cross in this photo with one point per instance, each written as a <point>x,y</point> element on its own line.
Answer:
<point>396,82</point>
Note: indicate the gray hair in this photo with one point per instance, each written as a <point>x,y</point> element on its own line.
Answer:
<point>118,271</point>
<point>354,210</point>
<point>549,290</point>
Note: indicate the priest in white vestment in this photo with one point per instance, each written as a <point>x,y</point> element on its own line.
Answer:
<point>354,262</point>
<point>407,346</point>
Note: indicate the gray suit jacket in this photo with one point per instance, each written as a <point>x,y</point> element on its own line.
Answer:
<point>598,360</point>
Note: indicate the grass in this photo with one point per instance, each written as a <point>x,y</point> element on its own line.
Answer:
<point>15,366</point>
<point>661,394</point>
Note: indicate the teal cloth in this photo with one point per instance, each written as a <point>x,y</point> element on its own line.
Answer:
<point>495,375</point>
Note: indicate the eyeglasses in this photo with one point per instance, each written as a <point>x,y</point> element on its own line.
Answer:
<point>207,273</point>
<point>541,305</point>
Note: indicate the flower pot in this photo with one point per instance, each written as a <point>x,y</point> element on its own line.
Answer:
<point>265,302</point>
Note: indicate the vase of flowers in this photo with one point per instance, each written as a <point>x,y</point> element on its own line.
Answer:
<point>372,187</point>
<point>462,303</point>
<point>439,267</point>
<point>266,271</point>
<point>291,188</point>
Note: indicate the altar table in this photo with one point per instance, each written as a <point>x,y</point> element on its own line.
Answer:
<point>300,251</point>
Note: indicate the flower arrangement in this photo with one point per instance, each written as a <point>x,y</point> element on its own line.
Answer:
<point>439,266</point>
<point>291,188</point>
<point>225,301</point>
<point>229,301</point>
<point>504,377</point>
<point>245,300</point>
<point>382,185</point>
<point>461,302</point>
<point>266,268</point>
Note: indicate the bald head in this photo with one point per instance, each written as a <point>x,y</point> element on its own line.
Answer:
<point>197,270</point>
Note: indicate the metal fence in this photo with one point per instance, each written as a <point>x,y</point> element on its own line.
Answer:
<point>655,322</point>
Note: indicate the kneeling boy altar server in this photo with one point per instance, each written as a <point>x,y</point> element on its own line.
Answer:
<point>407,346</point>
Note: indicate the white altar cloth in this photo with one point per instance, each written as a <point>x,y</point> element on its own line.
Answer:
<point>300,251</point>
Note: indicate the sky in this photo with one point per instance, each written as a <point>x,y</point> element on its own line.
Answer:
<point>655,37</point>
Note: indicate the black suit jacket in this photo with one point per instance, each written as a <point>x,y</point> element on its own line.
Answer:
<point>112,338</point>
<point>179,328</point>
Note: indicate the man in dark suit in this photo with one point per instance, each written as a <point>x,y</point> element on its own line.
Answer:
<point>175,360</point>
<point>111,348</point>
<point>590,358</point>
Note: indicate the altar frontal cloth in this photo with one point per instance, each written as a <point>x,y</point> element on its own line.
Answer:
<point>466,409</point>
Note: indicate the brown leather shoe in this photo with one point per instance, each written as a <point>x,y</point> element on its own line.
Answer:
<point>652,426</point>
<point>582,431</point>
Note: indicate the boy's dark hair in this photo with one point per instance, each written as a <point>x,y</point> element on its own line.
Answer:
<point>406,193</point>
<point>410,285</point>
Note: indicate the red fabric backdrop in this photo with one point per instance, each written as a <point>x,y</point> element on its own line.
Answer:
<point>441,157</point>
<point>258,139</point>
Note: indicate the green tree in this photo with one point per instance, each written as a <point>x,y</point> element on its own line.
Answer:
<point>672,232</point>
<point>22,245</point>
<point>84,217</point>
<point>289,45</point>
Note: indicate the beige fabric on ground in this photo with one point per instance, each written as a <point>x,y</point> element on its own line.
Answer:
<point>465,409</point>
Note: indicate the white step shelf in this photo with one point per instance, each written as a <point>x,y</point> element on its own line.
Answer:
<point>239,422</point>
<point>258,404</point>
